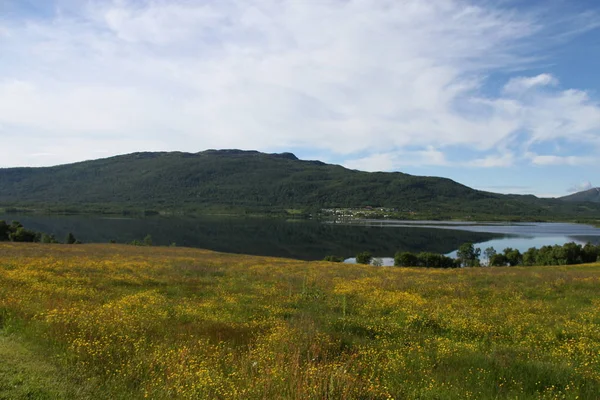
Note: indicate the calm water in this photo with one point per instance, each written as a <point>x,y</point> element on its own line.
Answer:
<point>309,240</point>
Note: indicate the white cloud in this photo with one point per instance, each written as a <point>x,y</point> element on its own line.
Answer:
<point>560,160</point>
<point>580,187</point>
<point>397,160</point>
<point>375,78</point>
<point>521,84</point>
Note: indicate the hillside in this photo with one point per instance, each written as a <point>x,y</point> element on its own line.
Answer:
<point>126,322</point>
<point>249,181</point>
<point>591,195</point>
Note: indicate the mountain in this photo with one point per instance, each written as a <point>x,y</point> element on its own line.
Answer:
<point>591,195</point>
<point>249,181</point>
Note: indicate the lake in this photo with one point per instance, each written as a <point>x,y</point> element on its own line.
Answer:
<point>309,240</point>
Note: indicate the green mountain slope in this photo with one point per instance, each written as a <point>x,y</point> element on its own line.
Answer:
<point>591,195</point>
<point>237,181</point>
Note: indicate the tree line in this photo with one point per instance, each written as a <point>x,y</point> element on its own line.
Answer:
<point>470,256</point>
<point>16,232</point>
<point>567,254</point>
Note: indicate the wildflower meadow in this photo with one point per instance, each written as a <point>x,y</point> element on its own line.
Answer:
<point>127,322</point>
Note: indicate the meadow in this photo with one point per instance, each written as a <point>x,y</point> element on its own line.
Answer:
<point>126,322</point>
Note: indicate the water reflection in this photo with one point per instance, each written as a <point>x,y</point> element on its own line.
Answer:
<point>306,240</point>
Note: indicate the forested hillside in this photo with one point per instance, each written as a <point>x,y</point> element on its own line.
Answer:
<point>249,181</point>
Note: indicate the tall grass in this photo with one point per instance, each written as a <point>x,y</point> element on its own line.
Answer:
<point>131,322</point>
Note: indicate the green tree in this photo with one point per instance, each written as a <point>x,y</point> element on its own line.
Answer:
<point>530,256</point>
<point>333,259</point>
<point>573,253</point>
<point>513,257</point>
<point>48,238</point>
<point>4,231</point>
<point>364,258</point>
<point>468,255</point>
<point>70,239</point>
<point>498,260</point>
<point>488,254</point>
<point>23,235</point>
<point>405,259</point>
<point>378,262</point>
<point>590,253</point>
<point>148,240</point>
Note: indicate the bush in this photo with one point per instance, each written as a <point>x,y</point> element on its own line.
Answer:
<point>23,235</point>
<point>70,239</point>
<point>333,259</point>
<point>4,231</point>
<point>364,258</point>
<point>48,238</point>
<point>498,260</point>
<point>405,259</point>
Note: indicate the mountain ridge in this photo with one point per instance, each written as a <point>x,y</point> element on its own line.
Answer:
<point>251,181</point>
<point>590,195</point>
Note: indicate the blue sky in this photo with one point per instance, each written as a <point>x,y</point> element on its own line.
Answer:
<point>498,95</point>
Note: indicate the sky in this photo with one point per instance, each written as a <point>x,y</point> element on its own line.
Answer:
<point>499,95</point>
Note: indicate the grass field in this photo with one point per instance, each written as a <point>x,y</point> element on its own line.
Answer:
<point>125,322</point>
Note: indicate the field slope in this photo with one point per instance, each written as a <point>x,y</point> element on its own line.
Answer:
<point>124,322</point>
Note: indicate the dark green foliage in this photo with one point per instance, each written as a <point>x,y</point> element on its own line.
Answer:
<point>567,254</point>
<point>424,259</point>
<point>498,260</point>
<point>513,257</point>
<point>147,241</point>
<point>590,253</point>
<point>489,253</point>
<point>468,255</point>
<point>364,258</point>
<point>21,234</point>
<point>433,260</point>
<point>45,238</point>
<point>16,232</point>
<point>333,259</point>
<point>4,231</point>
<point>405,259</point>
<point>245,181</point>
<point>530,256</point>
<point>70,239</point>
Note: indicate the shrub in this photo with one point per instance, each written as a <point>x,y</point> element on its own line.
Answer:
<point>364,258</point>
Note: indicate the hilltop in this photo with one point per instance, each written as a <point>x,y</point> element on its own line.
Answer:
<point>590,195</point>
<point>239,181</point>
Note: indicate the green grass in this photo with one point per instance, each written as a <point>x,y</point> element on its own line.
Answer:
<point>27,374</point>
<point>124,322</point>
